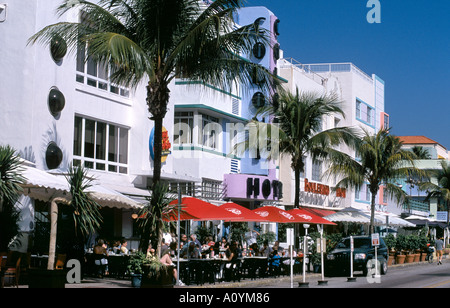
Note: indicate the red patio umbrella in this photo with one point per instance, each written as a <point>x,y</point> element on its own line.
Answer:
<point>241,213</point>
<point>203,210</point>
<point>310,218</point>
<point>274,214</point>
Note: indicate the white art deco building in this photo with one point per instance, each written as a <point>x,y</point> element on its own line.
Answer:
<point>56,110</point>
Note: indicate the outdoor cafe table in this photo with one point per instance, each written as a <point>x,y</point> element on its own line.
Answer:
<point>213,269</point>
<point>117,264</point>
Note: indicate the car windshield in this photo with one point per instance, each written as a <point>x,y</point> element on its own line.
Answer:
<point>358,243</point>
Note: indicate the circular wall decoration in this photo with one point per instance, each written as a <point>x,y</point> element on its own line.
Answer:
<point>56,101</point>
<point>259,50</point>
<point>258,100</point>
<point>276,27</point>
<point>53,156</point>
<point>58,48</point>
<point>276,51</point>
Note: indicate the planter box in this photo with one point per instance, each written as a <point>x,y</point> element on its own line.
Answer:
<point>43,278</point>
<point>400,259</point>
<point>409,258</point>
<point>416,257</point>
<point>423,256</point>
<point>136,280</point>
<point>164,280</point>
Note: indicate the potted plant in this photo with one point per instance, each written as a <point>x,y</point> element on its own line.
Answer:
<point>411,245</point>
<point>86,220</point>
<point>390,241</point>
<point>135,268</point>
<point>400,247</point>
<point>157,275</point>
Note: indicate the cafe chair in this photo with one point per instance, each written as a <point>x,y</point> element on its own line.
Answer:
<point>60,261</point>
<point>12,273</point>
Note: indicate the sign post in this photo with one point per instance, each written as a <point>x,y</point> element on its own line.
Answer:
<point>290,241</point>
<point>321,246</point>
<point>304,284</point>
<point>376,243</point>
<point>352,248</point>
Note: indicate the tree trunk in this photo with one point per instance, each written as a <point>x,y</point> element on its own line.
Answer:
<point>157,150</point>
<point>158,94</point>
<point>53,231</point>
<point>372,212</point>
<point>297,188</point>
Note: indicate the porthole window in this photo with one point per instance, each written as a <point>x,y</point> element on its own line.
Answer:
<point>58,48</point>
<point>259,50</point>
<point>276,51</point>
<point>56,101</point>
<point>258,100</point>
<point>53,156</point>
<point>276,27</point>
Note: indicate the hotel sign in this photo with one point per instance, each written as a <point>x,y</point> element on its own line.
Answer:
<point>321,189</point>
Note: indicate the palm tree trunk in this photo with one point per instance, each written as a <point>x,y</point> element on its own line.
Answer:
<point>372,212</point>
<point>157,148</point>
<point>53,231</point>
<point>158,94</point>
<point>297,188</point>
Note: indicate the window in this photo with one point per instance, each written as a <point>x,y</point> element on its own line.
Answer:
<point>210,131</point>
<point>368,195</point>
<point>100,146</point>
<point>365,113</point>
<point>184,123</point>
<point>386,122</point>
<point>316,171</point>
<point>358,109</point>
<point>211,189</point>
<point>94,73</point>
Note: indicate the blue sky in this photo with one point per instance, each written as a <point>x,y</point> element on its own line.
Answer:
<point>409,50</point>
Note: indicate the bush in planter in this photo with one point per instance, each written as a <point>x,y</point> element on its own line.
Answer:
<point>135,267</point>
<point>157,275</point>
<point>390,241</point>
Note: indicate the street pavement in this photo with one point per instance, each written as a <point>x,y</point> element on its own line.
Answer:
<point>272,282</point>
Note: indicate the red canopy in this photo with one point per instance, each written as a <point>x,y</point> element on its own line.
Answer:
<point>310,218</point>
<point>203,210</point>
<point>274,214</point>
<point>241,213</point>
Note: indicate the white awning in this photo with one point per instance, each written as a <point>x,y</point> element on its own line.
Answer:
<point>351,214</point>
<point>44,186</point>
<point>111,198</point>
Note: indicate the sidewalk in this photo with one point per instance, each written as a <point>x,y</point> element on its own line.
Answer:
<point>102,283</point>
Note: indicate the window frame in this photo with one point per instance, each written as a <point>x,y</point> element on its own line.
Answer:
<point>119,164</point>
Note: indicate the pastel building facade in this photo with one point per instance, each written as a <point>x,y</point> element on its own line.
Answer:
<point>363,103</point>
<point>58,110</point>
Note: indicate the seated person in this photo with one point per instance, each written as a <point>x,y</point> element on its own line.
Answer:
<point>123,247</point>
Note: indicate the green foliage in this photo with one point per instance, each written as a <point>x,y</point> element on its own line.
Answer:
<point>136,263</point>
<point>85,210</point>
<point>333,240</point>
<point>10,189</point>
<point>269,236</point>
<point>151,216</point>
<point>390,241</point>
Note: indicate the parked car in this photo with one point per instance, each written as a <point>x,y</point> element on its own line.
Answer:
<point>339,258</point>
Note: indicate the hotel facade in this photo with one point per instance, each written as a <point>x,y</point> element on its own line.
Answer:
<point>58,110</point>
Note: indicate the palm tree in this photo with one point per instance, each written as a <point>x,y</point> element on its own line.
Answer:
<point>440,189</point>
<point>85,210</point>
<point>299,118</point>
<point>152,215</point>
<point>420,152</point>
<point>153,41</point>
<point>10,190</point>
<point>381,161</point>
